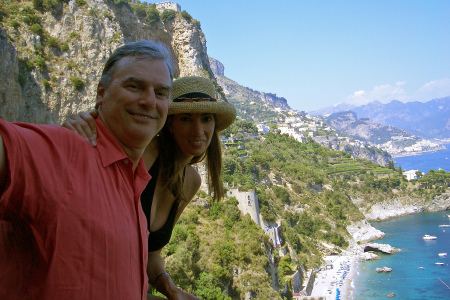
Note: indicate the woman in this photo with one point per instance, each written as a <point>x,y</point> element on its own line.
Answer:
<point>190,135</point>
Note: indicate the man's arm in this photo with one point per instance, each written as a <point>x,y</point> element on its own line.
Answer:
<point>3,166</point>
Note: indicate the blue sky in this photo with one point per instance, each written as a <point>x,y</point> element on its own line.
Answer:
<point>320,53</point>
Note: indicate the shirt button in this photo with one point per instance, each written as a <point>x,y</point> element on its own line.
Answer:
<point>125,161</point>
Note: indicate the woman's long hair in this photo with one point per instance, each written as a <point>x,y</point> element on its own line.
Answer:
<point>171,170</point>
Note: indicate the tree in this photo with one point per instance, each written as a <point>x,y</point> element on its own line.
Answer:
<point>168,15</point>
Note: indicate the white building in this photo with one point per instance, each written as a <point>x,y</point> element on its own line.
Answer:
<point>411,174</point>
<point>263,128</point>
<point>161,6</point>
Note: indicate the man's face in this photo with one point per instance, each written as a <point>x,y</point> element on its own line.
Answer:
<point>134,105</point>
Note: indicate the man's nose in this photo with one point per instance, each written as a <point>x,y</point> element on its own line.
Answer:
<point>148,99</point>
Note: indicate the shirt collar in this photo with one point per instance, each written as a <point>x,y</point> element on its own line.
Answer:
<point>109,149</point>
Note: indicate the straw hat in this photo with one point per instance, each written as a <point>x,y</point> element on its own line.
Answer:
<point>199,87</point>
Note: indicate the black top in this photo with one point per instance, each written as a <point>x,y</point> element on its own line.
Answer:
<point>160,238</point>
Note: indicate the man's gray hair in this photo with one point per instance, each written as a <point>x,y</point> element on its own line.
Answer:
<point>144,48</point>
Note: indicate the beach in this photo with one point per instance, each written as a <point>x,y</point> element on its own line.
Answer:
<point>335,281</point>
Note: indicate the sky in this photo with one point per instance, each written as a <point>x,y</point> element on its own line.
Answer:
<point>321,53</point>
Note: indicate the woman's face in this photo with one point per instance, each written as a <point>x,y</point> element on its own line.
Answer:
<point>193,132</point>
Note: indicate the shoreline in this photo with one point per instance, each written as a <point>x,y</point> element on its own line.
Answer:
<point>337,282</point>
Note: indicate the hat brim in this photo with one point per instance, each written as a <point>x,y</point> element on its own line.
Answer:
<point>225,113</point>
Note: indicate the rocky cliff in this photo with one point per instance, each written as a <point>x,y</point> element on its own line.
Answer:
<point>49,73</point>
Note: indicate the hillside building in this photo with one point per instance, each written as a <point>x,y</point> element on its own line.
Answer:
<point>161,6</point>
<point>274,232</point>
<point>411,174</point>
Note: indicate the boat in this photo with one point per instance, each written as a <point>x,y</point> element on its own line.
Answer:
<point>439,263</point>
<point>442,254</point>
<point>444,225</point>
<point>429,237</point>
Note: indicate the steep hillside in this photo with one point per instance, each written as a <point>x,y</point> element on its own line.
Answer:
<point>364,128</point>
<point>52,56</point>
<point>253,105</point>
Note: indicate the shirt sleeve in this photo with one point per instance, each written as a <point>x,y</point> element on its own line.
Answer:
<point>36,156</point>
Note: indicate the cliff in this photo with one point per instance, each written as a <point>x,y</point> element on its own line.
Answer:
<point>46,75</point>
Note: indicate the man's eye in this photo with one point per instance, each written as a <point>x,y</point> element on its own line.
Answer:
<point>162,95</point>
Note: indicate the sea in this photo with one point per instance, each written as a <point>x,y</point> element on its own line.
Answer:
<point>415,274</point>
<point>426,161</point>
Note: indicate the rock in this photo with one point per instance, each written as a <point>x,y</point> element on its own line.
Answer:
<point>363,232</point>
<point>385,248</point>
<point>383,270</point>
<point>368,256</point>
<point>217,67</point>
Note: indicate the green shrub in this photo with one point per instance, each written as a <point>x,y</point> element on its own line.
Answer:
<point>168,15</point>
<point>39,49</point>
<point>30,65</point>
<point>71,64</point>
<point>14,23</point>
<point>196,23</point>
<point>36,29</point>
<point>65,47</point>
<point>46,83</point>
<point>50,4</point>
<point>81,2</point>
<point>107,15</point>
<point>40,62</point>
<point>53,78</point>
<point>74,35</point>
<point>152,15</point>
<point>186,15</point>
<point>140,10</point>
<point>78,84</point>
<point>92,12</point>
<point>53,42</point>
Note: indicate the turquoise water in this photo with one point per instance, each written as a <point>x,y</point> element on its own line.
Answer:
<point>407,280</point>
<point>426,161</point>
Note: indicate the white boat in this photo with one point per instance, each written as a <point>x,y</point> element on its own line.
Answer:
<point>444,225</point>
<point>429,237</point>
<point>442,254</point>
<point>439,263</point>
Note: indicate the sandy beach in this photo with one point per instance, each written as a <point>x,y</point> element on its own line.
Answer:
<point>336,282</point>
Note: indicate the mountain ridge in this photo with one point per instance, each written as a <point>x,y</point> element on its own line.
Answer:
<point>428,120</point>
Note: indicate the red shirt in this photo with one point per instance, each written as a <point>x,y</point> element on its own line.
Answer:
<point>71,225</point>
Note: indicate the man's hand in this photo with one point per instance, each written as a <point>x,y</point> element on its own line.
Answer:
<point>83,124</point>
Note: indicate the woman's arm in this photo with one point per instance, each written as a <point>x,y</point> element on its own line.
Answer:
<point>155,267</point>
<point>164,283</point>
<point>84,124</point>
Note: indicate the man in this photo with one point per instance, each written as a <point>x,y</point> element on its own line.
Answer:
<point>71,225</point>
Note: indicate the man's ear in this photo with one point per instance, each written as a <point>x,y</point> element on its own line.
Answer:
<point>101,90</point>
